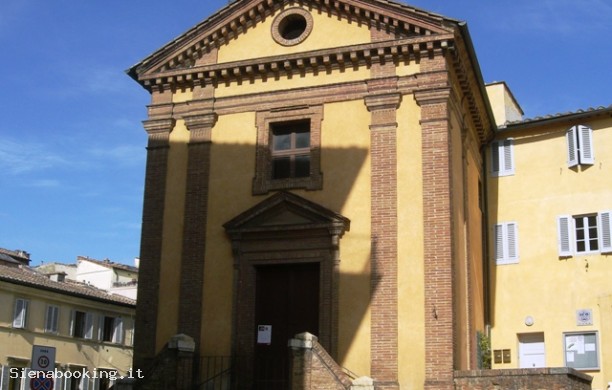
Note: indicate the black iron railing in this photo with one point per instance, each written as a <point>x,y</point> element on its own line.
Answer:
<point>215,373</point>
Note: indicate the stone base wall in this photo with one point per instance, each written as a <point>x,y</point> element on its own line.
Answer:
<point>523,379</point>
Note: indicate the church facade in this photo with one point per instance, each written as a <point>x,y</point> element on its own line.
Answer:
<point>317,166</point>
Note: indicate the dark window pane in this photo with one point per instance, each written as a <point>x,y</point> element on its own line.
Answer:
<point>594,244</point>
<point>579,223</point>
<point>281,168</point>
<point>593,232</point>
<point>580,234</point>
<point>302,140</point>
<point>281,141</point>
<point>580,246</point>
<point>302,166</point>
<point>592,221</point>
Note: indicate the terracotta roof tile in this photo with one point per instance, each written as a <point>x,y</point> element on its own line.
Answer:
<point>27,276</point>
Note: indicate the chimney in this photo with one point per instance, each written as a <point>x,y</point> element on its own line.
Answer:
<point>503,104</point>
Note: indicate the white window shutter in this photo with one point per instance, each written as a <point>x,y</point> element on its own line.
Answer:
<point>25,383</point>
<point>72,319</point>
<point>5,374</point>
<point>572,147</point>
<point>565,235</point>
<point>100,327</point>
<point>118,330</point>
<point>84,385</point>
<point>21,310</point>
<point>605,231</point>
<point>508,156</point>
<point>585,138</point>
<point>499,242</point>
<point>52,319</point>
<point>512,241</point>
<point>88,326</point>
<point>57,382</point>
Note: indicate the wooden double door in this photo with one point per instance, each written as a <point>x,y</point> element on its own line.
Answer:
<point>286,303</point>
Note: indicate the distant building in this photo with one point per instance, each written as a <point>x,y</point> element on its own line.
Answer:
<point>91,329</point>
<point>116,278</point>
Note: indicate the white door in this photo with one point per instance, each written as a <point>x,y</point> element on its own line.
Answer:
<point>532,352</point>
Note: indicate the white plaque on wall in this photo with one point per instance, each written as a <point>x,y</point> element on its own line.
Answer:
<point>584,317</point>
<point>264,334</point>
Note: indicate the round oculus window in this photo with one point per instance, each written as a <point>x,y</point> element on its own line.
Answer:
<point>292,26</point>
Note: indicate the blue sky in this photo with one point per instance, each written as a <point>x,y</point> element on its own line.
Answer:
<point>72,147</point>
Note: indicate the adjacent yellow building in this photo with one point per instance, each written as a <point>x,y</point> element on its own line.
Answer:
<point>91,330</point>
<point>550,226</point>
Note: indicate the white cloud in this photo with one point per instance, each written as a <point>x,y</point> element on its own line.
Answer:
<point>21,157</point>
<point>565,17</point>
<point>121,154</point>
<point>44,183</point>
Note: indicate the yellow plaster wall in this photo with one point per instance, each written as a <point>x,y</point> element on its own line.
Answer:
<point>345,166</point>
<point>321,77</point>
<point>69,350</point>
<point>411,342</point>
<point>169,286</point>
<point>231,177</point>
<point>542,285</point>
<point>326,33</point>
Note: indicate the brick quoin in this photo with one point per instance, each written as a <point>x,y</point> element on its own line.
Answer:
<point>382,102</point>
<point>195,222</point>
<point>438,244</point>
<point>151,240</point>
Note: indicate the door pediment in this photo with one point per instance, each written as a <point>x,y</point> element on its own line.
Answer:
<point>287,211</point>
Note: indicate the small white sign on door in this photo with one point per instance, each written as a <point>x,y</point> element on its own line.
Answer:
<point>264,334</point>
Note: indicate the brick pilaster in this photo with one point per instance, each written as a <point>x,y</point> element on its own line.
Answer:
<point>382,101</point>
<point>151,239</point>
<point>438,244</point>
<point>200,127</point>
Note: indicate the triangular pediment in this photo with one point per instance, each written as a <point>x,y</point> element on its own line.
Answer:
<point>198,49</point>
<point>285,210</point>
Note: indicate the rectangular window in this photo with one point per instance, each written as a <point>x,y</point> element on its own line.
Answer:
<point>52,319</point>
<point>288,154</point>
<point>20,314</point>
<point>580,146</point>
<point>506,243</point>
<point>581,234</point>
<point>81,324</point>
<point>290,149</point>
<point>581,350</point>
<point>502,157</point>
<point>111,329</point>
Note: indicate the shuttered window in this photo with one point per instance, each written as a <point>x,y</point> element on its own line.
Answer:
<point>506,243</point>
<point>20,313</point>
<point>51,319</point>
<point>580,146</point>
<point>581,234</point>
<point>81,324</point>
<point>502,157</point>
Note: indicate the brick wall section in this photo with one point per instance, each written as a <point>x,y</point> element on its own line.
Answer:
<point>523,379</point>
<point>438,235</point>
<point>383,101</point>
<point>312,368</point>
<point>195,223</point>
<point>151,240</point>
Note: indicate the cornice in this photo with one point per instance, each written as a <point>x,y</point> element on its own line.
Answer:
<point>400,20</point>
<point>275,66</point>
